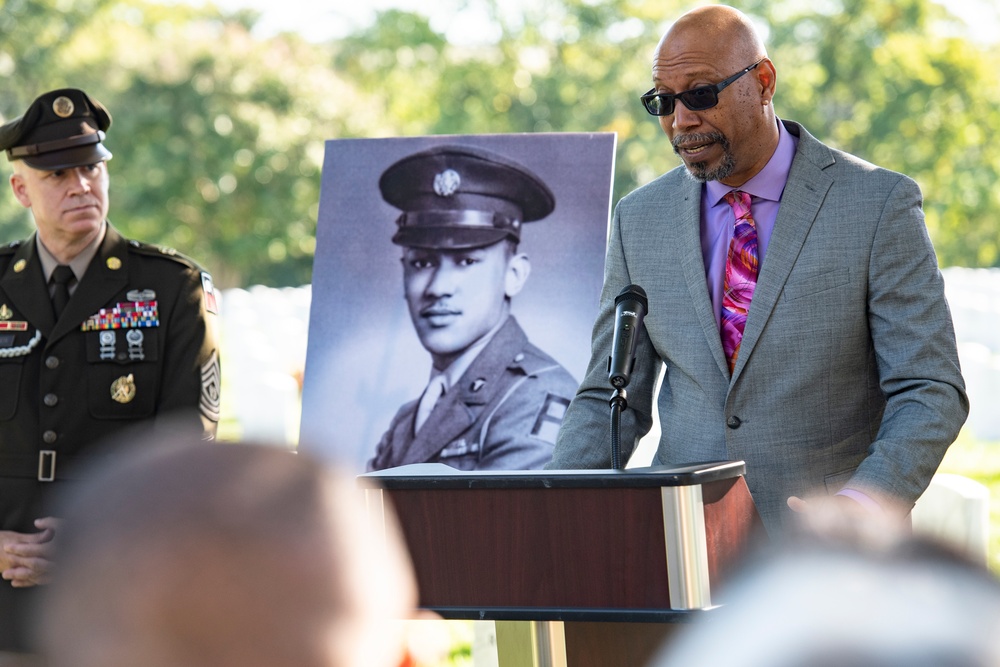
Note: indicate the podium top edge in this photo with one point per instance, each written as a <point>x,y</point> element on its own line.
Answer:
<point>440,476</point>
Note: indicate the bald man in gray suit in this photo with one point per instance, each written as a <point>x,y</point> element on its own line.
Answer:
<point>844,385</point>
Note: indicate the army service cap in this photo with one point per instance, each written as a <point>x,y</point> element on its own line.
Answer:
<point>460,197</point>
<point>61,129</point>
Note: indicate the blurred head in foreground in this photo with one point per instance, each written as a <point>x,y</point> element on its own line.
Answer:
<point>850,592</point>
<point>210,554</point>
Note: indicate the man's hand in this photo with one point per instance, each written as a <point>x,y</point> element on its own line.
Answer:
<point>842,519</point>
<point>828,505</point>
<point>26,558</point>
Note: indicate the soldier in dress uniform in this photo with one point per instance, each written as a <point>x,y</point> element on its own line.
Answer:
<point>97,332</point>
<point>494,400</point>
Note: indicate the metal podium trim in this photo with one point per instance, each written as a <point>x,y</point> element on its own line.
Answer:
<point>686,545</point>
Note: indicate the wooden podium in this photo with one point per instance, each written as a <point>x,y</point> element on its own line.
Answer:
<point>601,563</point>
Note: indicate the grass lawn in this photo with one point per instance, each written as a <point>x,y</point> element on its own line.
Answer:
<point>980,460</point>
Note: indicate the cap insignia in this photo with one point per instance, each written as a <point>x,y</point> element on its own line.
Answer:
<point>446,183</point>
<point>62,106</point>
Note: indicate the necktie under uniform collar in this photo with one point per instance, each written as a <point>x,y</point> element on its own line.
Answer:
<point>62,276</point>
<point>436,388</point>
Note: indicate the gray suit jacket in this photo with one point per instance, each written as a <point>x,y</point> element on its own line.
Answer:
<point>848,372</point>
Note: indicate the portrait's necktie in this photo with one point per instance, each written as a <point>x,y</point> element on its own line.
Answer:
<point>61,278</point>
<point>741,275</point>
<point>435,390</point>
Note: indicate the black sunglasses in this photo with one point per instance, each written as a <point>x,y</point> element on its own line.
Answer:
<point>696,99</point>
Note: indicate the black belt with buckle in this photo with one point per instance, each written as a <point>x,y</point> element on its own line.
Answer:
<point>47,465</point>
<point>41,467</point>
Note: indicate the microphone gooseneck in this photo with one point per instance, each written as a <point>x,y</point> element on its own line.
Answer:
<point>631,306</point>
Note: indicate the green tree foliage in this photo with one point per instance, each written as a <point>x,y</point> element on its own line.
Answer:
<point>217,135</point>
<point>33,38</point>
<point>901,85</point>
<point>569,66</point>
<point>218,132</point>
<point>897,83</point>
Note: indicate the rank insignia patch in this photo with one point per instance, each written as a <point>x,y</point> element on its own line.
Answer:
<point>211,382</point>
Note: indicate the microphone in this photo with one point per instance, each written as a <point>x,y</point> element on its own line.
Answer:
<point>630,308</point>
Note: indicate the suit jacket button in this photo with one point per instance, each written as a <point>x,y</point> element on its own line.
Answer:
<point>734,422</point>
<point>52,362</point>
<point>50,400</point>
<point>49,437</point>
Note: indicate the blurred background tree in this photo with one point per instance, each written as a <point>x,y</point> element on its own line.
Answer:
<point>218,131</point>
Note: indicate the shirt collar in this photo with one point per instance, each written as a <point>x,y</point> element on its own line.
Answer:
<point>769,182</point>
<point>457,368</point>
<point>79,263</point>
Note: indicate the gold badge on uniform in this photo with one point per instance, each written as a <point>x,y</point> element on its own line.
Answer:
<point>62,106</point>
<point>114,263</point>
<point>19,265</point>
<point>123,389</point>
<point>5,312</point>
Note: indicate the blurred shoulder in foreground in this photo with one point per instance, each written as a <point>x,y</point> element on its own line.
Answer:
<point>846,591</point>
<point>224,554</point>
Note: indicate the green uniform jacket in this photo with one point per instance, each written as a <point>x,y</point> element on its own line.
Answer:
<point>151,351</point>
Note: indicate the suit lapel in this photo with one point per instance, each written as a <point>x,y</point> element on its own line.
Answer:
<point>106,276</point>
<point>801,200</point>
<point>449,419</point>
<point>24,287</point>
<point>693,265</point>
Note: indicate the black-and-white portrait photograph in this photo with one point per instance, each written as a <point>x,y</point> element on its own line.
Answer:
<point>455,283</point>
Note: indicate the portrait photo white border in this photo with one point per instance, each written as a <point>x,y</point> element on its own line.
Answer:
<point>364,360</point>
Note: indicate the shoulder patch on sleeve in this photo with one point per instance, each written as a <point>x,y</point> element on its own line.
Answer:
<point>211,302</point>
<point>549,418</point>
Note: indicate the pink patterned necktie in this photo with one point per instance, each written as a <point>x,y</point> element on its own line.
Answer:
<point>741,275</point>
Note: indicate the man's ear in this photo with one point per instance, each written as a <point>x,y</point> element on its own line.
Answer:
<point>518,269</point>
<point>20,191</point>
<point>767,77</point>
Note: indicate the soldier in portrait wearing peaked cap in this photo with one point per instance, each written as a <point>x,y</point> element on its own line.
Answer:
<point>97,332</point>
<point>494,400</point>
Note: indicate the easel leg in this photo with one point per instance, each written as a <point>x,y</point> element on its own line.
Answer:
<point>531,644</point>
